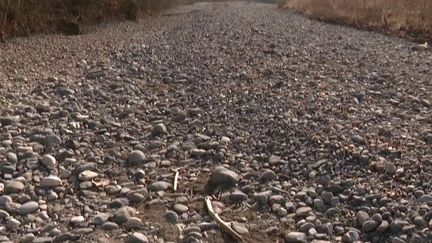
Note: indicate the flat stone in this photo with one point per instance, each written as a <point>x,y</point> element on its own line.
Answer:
<point>14,187</point>
<point>51,181</point>
<point>137,237</point>
<point>87,175</point>
<point>108,226</point>
<point>303,211</point>
<point>28,208</point>
<point>240,228</point>
<point>159,186</point>
<point>425,199</point>
<point>77,219</point>
<point>133,223</point>
<point>43,240</point>
<point>180,208</point>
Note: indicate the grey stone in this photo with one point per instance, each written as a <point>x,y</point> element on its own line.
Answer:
<point>101,218</point>
<point>51,181</point>
<point>108,226</point>
<point>350,237</point>
<point>49,161</point>
<point>268,175</point>
<point>171,216</point>
<point>136,157</point>
<point>369,225</point>
<point>14,187</point>
<point>296,237</point>
<point>262,197</point>
<point>362,216</point>
<point>159,129</point>
<point>123,214</point>
<point>43,240</point>
<point>222,176</point>
<point>159,186</point>
<point>137,237</point>
<point>28,208</point>
<point>303,211</point>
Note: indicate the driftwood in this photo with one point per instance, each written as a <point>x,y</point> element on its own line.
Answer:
<point>225,227</point>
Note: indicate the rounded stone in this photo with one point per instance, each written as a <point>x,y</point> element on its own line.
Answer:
<point>136,157</point>
<point>296,237</point>
<point>137,237</point>
<point>49,161</point>
<point>28,208</point>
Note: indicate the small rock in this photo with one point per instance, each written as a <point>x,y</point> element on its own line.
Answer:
<point>296,237</point>
<point>369,225</point>
<point>240,228</point>
<point>77,219</point>
<point>137,237</point>
<point>43,240</point>
<point>123,214</point>
<point>224,177</point>
<point>180,208</point>
<point>262,197</point>
<point>14,187</point>
<point>350,237</point>
<point>13,224</point>
<point>159,129</point>
<point>49,161</point>
<point>268,175</point>
<point>159,186</point>
<point>108,226</point>
<point>362,216</point>
<point>136,157</point>
<point>390,168</point>
<point>87,175</point>
<point>171,217</point>
<point>303,211</point>
<point>51,181</point>
<point>28,208</point>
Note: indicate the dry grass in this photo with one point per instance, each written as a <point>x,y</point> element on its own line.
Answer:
<point>25,17</point>
<point>407,18</point>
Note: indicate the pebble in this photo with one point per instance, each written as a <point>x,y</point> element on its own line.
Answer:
<point>171,217</point>
<point>123,214</point>
<point>51,181</point>
<point>351,237</point>
<point>109,226</point>
<point>49,161</point>
<point>296,237</point>
<point>87,175</point>
<point>28,208</point>
<point>137,237</point>
<point>14,187</point>
<point>303,211</point>
<point>159,186</point>
<point>222,176</point>
<point>136,157</point>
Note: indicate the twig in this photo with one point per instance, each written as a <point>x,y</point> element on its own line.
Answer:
<point>176,179</point>
<point>222,224</point>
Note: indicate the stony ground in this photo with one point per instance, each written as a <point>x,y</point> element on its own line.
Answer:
<point>301,131</point>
